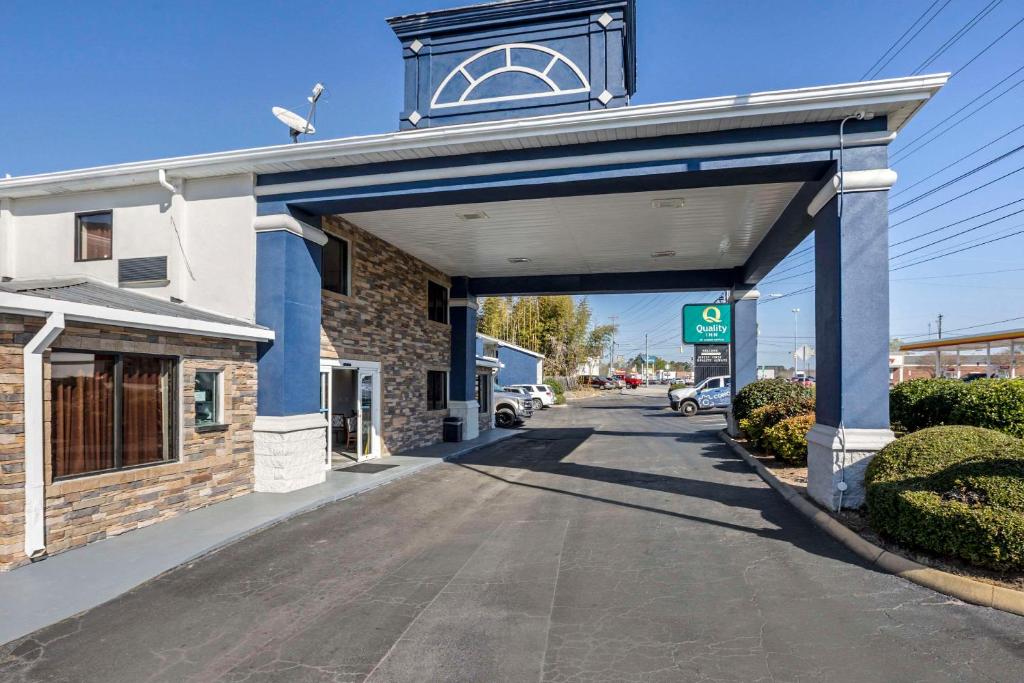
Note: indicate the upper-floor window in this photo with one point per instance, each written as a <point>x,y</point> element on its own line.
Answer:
<point>94,236</point>
<point>437,302</point>
<point>335,269</point>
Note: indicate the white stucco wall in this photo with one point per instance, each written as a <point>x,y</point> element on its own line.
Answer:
<point>214,218</point>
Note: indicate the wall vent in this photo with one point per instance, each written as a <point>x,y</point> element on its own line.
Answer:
<point>147,271</point>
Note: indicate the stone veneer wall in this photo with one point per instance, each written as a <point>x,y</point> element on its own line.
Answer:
<point>385,319</point>
<point>213,466</point>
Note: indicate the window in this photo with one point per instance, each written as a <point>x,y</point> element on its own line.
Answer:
<point>111,411</point>
<point>335,276</point>
<point>437,390</point>
<point>437,302</point>
<point>483,393</point>
<point>94,236</point>
<point>208,399</point>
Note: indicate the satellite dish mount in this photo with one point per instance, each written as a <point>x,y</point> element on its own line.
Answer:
<point>298,125</point>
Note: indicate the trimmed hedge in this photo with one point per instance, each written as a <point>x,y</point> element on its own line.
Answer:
<point>788,439</point>
<point>765,392</point>
<point>954,491</point>
<point>557,389</point>
<point>922,403</point>
<point>992,403</point>
<point>765,417</point>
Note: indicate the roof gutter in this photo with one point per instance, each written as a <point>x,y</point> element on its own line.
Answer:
<point>908,92</point>
<point>24,304</point>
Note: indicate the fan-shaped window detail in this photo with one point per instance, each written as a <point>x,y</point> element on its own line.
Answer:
<point>515,71</point>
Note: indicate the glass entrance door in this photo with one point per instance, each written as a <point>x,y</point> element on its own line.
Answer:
<point>368,441</point>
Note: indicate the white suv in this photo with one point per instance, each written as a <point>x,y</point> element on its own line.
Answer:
<point>540,393</point>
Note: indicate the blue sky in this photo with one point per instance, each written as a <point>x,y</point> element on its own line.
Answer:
<point>89,83</point>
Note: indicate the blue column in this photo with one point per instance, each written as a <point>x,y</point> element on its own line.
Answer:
<point>462,380</point>
<point>852,344</point>
<point>290,433</point>
<point>743,346</point>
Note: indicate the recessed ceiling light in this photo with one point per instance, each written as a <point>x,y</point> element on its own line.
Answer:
<point>518,259</point>
<point>668,203</point>
<point>472,215</point>
<point>662,254</point>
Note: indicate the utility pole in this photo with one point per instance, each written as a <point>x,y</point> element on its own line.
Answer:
<point>647,359</point>
<point>611,358</point>
<point>796,327</point>
<point>940,325</point>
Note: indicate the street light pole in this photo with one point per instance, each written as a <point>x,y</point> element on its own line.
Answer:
<point>647,359</point>
<point>796,327</point>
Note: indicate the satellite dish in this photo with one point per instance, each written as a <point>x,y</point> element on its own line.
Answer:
<point>296,124</point>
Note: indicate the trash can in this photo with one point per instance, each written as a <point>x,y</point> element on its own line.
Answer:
<point>453,429</point>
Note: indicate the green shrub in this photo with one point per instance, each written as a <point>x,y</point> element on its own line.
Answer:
<point>922,403</point>
<point>954,491</point>
<point>992,403</point>
<point>770,415</point>
<point>787,440</point>
<point>764,392</point>
<point>558,390</point>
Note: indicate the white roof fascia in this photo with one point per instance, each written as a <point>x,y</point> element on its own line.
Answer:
<point>37,306</point>
<point>905,95</point>
<point>509,345</point>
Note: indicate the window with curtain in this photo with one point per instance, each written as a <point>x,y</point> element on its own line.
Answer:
<point>111,411</point>
<point>437,394</point>
<point>94,236</point>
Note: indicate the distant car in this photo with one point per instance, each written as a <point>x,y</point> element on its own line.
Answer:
<point>971,376</point>
<point>614,382</point>
<point>633,381</point>
<point>540,394</point>
<point>597,382</point>
<point>687,400</point>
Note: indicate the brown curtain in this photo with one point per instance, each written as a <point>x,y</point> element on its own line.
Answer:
<point>83,416</point>
<point>144,410</point>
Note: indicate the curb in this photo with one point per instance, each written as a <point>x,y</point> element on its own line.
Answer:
<point>960,587</point>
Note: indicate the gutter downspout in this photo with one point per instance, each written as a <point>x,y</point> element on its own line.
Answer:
<point>35,542</point>
<point>176,205</point>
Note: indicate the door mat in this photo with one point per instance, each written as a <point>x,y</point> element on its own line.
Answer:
<point>364,468</point>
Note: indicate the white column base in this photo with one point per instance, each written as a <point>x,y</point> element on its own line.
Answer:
<point>469,411</point>
<point>289,452</point>
<point>830,464</point>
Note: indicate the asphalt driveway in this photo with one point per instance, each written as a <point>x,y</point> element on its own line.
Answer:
<point>612,541</point>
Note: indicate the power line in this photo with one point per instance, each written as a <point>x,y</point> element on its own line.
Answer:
<point>952,40</point>
<point>959,196</point>
<point>987,47</point>
<point>962,220</point>
<point>958,251</point>
<point>872,71</point>
<point>955,235</point>
<point>948,183</point>
<point>954,163</point>
<point>911,146</point>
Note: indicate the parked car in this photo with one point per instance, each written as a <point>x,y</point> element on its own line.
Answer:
<point>686,399</point>
<point>614,382</point>
<point>511,408</point>
<point>633,381</point>
<point>540,394</point>
<point>718,398</point>
<point>596,382</point>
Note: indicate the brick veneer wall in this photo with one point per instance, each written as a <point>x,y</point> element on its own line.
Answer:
<point>385,319</point>
<point>213,466</point>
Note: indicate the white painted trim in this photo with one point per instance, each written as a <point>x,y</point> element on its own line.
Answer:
<point>875,180</point>
<point>508,47</point>
<point>509,345</point>
<point>749,295</point>
<point>488,362</point>
<point>894,93</point>
<point>857,440</point>
<point>282,221</point>
<point>464,303</point>
<point>281,424</point>
<point>37,306</point>
<point>35,497</point>
<point>564,162</point>
<point>344,364</point>
<point>7,246</point>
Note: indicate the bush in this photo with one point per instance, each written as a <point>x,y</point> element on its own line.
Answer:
<point>787,440</point>
<point>558,390</point>
<point>954,491</point>
<point>765,392</point>
<point>922,403</point>
<point>770,415</point>
<point>992,403</point>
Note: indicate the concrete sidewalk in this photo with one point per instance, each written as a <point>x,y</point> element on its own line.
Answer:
<point>59,587</point>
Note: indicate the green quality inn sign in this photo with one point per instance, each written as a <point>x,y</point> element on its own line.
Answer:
<point>707,323</point>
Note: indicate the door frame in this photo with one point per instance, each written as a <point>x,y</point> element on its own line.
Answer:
<point>372,368</point>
